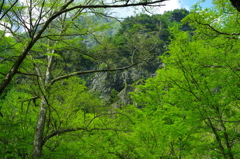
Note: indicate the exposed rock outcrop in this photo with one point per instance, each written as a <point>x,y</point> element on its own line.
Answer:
<point>121,82</point>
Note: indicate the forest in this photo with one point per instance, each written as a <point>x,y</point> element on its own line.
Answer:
<point>78,82</point>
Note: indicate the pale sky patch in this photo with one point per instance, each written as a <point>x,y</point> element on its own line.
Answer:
<point>169,5</point>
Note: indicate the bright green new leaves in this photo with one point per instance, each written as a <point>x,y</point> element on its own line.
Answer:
<point>17,124</point>
<point>195,97</point>
<point>71,104</point>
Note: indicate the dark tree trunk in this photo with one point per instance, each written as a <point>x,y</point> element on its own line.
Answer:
<point>236,4</point>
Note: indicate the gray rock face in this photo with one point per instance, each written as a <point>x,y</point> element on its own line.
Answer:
<point>121,82</point>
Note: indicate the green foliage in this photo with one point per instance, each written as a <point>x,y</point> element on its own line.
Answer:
<point>7,53</point>
<point>194,99</point>
<point>17,124</point>
<point>140,38</point>
<point>190,109</point>
<point>71,107</point>
<point>113,96</point>
<point>71,96</point>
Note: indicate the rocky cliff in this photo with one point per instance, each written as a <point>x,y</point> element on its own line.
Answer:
<point>114,87</point>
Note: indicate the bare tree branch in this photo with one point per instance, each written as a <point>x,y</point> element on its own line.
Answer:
<point>33,98</point>
<point>62,131</point>
<point>89,71</point>
<point>7,9</point>
<point>217,66</point>
<point>66,130</point>
<point>219,32</point>
<point>29,74</point>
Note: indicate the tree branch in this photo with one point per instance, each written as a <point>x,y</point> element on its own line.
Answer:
<point>217,66</point>
<point>113,6</point>
<point>7,9</point>
<point>62,131</point>
<point>219,32</point>
<point>89,71</point>
<point>33,98</point>
<point>29,74</point>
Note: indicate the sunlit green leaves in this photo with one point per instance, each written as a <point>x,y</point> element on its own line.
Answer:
<point>19,116</point>
<point>195,95</point>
